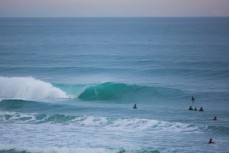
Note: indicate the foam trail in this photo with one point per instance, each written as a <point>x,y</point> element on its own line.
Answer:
<point>28,88</point>
<point>20,149</point>
<point>121,124</point>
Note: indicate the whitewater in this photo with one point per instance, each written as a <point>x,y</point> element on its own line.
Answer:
<point>28,88</point>
<point>68,85</point>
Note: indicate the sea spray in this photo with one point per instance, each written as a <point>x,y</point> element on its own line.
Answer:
<point>28,88</point>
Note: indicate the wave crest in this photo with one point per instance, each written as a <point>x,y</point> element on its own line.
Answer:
<point>28,88</point>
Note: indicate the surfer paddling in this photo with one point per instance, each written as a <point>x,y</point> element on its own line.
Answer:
<point>210,141</point>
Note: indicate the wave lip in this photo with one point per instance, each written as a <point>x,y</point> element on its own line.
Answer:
<point>28,88</point>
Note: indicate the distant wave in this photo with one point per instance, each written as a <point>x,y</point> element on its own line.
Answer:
<point>28,88</point>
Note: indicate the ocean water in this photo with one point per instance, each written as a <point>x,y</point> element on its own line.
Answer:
<point>68,85</point>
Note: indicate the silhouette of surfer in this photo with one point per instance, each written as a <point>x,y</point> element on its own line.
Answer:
<point>193,99</point>
<point>195,109</point>
<point>215,118</point>
<point>135,106</point>
<point>190,108</point>
<point>201,109</point>
<point>210,141</point>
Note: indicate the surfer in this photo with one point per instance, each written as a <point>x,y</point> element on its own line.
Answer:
<point>215,118</point>
<point>190,108</point>
<point>195,109</point>
<point>201,109</point>
<point>135,106</point>
<point>210,141</point>
<point>193,99</point>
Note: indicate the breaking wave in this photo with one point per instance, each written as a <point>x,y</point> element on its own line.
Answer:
<point>28,88</point>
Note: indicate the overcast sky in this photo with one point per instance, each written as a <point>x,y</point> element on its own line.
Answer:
<point>113,8</point>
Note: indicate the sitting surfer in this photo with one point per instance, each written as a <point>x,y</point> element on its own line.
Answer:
<point>201,109</point>
<point>193,99</point>
<point>190,108</point>
<point>210,141</point>
<point>215,118</point>
<point>195,109</point>
<point>135,106</point>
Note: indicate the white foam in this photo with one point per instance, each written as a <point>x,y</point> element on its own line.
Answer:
<point>91,120</point>
<point>28,88</point>
<point>144,124</point>
<point>134,123</point>
<point>16,116</point>
<point>123,124</point>
<point>55,149</point>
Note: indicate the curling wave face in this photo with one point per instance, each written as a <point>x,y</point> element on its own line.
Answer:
<point>29,88</point>
<point>109,91</point>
